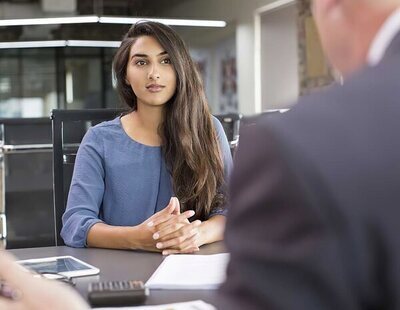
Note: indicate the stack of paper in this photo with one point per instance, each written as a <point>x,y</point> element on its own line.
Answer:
<point>190,272</point>
<point>189,305</point>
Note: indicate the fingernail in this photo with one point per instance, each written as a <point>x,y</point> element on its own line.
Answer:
<point>164,252</point>
<point>191,212</point>
<point>150,224</point>
<point>159,245</point>
<point>156,236</point>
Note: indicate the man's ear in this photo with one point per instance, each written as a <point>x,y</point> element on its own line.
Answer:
<point>331,9</point>
<point>326,5</point>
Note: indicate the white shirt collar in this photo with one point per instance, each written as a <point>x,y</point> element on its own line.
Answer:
<point>384,37</point>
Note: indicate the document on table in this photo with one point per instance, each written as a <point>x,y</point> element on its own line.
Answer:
<point>190,272</point>
<point>190,305</point>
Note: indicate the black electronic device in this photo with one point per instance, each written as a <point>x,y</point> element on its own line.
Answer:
<point>117,293</point>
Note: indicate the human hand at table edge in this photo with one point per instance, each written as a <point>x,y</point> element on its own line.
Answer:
<point>180,236</point>
<point>176,232</point>
<point>32,293</point>
<point>200,233</point>
<point>171,213</point>
<point>139,237</point>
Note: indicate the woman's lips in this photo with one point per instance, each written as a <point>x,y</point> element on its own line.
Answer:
<point>154,88</point>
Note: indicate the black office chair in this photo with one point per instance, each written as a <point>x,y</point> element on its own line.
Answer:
<point>231,124</point>
<point>69,127</point>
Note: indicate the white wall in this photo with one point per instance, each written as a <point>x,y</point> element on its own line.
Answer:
<point>58,6</point>
<point>225,51</point>
<point>22,10</point>
<point>211,58</point>
<point>241,13</point>
<point>35,10</point>
<point>204,56</point>
<point>279,58</point>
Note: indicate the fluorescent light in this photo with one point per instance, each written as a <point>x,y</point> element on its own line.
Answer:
<point>32,44</point>
<point>109,20</point>
<point>69,87</point>
<point>59,43</point>
<point>167,21</point>
<point>49,20</point>
<point>90,43</point>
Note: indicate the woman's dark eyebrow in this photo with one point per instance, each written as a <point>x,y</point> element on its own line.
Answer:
<point>139,55</point>
<point>145,56</point>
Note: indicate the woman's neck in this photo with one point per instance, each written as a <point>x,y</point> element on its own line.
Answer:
<point>148,118</point>
<point>142,125</point>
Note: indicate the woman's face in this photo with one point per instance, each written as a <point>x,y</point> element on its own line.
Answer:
<point>150,72</point>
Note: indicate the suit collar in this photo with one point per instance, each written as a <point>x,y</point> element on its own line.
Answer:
<point>394,47</point>
<point>385,39</point>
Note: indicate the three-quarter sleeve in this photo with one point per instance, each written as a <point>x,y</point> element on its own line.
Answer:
<point>227,161</point>
<point>86,191</point>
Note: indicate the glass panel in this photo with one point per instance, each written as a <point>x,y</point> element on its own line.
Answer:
<point>83,83</point>
<point>29,199</point>
<point>10,87</point>
<point>110,92</point>
<point>82,51</point>
<point>27,83</point>
<point>33,81</point>
<point>38,84</point>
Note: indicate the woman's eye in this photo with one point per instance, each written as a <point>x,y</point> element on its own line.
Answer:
<point>166,61</point>
<point>140,62</point>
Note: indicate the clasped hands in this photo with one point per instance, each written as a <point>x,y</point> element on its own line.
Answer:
<point>172,232</point>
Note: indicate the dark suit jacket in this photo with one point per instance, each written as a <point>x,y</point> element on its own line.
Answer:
<point>315,201</point>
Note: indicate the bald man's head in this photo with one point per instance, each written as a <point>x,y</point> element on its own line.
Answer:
<point>347,28</point>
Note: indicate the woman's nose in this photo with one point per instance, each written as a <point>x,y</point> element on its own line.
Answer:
<point>154,73</point>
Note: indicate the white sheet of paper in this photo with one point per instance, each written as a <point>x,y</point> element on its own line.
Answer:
<point>190,305</point>
<point>190,272</point>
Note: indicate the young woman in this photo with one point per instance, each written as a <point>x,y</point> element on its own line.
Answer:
<point>140,177</point>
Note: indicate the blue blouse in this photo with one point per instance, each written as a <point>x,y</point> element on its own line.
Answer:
<point>119,181</point>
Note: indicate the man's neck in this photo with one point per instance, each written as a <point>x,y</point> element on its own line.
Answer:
<point>366,23</point>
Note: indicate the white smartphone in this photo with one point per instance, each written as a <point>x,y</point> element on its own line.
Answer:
<point>67,266</point>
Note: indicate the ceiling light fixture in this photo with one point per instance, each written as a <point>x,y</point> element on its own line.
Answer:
<point>49,21</point>
<point>32,44</point>
<point>167,21</point>
<point>109,20</point>
<point>90,43</point>
<point>59,43</point>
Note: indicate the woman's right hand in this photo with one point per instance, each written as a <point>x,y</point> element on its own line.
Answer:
<point>148,228</point>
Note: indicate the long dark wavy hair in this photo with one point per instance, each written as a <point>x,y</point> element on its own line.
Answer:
<point>189,141</point>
